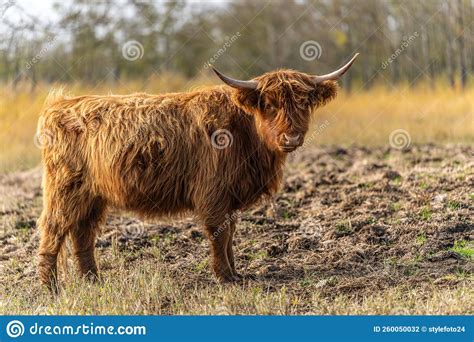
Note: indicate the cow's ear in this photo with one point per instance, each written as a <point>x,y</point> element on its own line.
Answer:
<point>323,93</point>
<point>248,100</point>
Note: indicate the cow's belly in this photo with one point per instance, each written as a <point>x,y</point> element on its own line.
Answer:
<point>157,191</point>
<point>146,183</point>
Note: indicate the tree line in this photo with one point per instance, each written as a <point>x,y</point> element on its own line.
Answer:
<point>94,41</point>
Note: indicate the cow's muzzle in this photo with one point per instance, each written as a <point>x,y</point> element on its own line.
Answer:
<point>289,143</point>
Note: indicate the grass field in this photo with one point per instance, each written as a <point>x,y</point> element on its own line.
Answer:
<point>360,227</point>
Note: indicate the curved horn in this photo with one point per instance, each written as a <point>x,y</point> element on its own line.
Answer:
<point>335,74</point>
<point>235,83</point>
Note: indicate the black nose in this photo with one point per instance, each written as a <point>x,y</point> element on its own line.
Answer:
<point>292,140</point>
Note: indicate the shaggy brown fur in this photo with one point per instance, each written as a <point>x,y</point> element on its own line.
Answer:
<point>155,155</point>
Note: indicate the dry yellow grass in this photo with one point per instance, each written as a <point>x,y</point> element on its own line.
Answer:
<point>150,289</point>
<point>437,115</point>
<point>363,117</point>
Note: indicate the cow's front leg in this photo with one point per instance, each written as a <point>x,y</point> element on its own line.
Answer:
<point>219,237</point>
<point>230,251</point>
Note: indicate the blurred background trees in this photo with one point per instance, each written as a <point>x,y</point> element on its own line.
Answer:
<point>87,41</point>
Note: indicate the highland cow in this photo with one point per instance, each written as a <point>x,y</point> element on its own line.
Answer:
<point>212,152</point>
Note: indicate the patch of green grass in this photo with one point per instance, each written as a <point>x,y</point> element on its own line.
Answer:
<point>366,185</point>
<point>155,239</point>
<point>393,221</point>
<point>288,215</point>
<point>418,258</point>
<point>463,274</point>
<point>421,239</point>
<point>464,248</point>
<point>371,220</point>
<point>201,266</point>
<point>168,239</point>
<point>397,181</point>
<point>396,206</point>
<point>426,213</point>
<point>423,185</point>
<point>471,196</point>
<point>257,255</point>
<point>344,227</point>
<point>454,205</point>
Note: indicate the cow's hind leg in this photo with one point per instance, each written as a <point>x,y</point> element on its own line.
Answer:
<point>84,237</point>
<point>67,205</point>
<point>59,216</point>
<point>53,232</point>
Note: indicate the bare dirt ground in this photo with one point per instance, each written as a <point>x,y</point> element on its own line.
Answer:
<point>353,221</point>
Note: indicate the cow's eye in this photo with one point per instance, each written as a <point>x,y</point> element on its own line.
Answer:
<point>270,109</point>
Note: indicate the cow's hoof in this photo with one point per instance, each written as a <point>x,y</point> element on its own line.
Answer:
<point>226,278</point>
<point>238,276</point>
<point>249,277</point>
<point>93,277</point>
